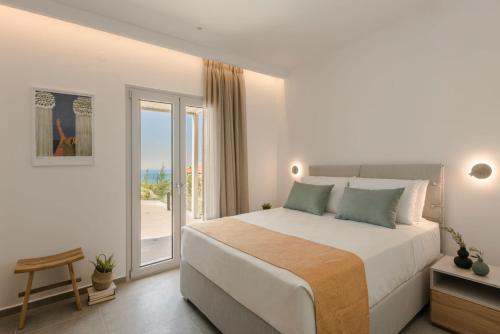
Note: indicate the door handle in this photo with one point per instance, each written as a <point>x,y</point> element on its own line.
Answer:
<point>179,186</point>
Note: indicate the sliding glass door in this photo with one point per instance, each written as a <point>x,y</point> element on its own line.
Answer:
<point>166,176</point>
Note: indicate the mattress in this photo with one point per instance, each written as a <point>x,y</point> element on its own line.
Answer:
<point>284,300</point>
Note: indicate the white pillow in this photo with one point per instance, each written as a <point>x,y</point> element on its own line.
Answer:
<point>419,207</point>
<point>337,191</point>
<point>407,210</point>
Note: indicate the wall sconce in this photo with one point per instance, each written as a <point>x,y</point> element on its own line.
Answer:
<point>481,171</point>
<point>295,169</point>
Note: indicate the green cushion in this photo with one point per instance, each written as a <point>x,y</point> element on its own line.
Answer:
<point>370,206</point>
<point>309,197</point>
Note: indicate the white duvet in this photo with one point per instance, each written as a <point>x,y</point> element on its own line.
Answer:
<point>284,300</point>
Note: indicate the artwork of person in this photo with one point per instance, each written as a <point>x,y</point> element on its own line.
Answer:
<point>63,128</point>
<point>66,146</point>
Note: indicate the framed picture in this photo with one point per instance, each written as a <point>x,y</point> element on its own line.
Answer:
<point>63,128</point>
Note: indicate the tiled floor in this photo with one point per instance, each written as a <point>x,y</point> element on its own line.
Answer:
<point>149,305</point>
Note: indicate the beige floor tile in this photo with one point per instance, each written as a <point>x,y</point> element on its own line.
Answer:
<point>148,312</point>
<point>421,324</point>
<point>8,324</point>
<point>203,323</point>
<point>181,325</point>
<point>51,314</point>
<point>90,323</point>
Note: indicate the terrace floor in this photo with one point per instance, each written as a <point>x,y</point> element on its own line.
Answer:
<point>156,230</point>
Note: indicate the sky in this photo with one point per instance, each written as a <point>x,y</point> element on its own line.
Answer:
<point>64,111</point>
<point>156,140</point>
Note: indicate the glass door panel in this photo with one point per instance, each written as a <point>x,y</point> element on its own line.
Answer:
<point>156,186</point>
<point>156,182</point>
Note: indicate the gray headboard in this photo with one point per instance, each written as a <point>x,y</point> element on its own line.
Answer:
<point>434,203</point>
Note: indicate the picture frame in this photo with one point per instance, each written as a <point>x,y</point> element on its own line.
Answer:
<point>63,129</point>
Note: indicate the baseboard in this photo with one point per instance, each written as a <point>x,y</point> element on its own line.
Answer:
<point>51,299</point>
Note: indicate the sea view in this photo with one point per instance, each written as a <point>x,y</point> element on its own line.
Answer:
<point>153,174</point>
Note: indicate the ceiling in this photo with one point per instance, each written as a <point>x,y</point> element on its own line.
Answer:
<point>274,34</point>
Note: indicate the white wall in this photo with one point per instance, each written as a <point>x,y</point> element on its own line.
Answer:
<point>421,91</point>
<point>44,210</point>
<point>265,107</point>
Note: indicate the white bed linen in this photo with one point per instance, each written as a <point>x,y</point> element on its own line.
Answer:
<point>284,300</point>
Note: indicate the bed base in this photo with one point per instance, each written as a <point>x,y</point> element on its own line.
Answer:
<point>389,316</point>
<point>228,315</point>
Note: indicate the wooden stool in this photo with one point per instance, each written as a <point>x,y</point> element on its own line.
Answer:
<point>47,262</point>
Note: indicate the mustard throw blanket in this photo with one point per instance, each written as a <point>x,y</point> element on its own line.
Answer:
<point>337,277</point>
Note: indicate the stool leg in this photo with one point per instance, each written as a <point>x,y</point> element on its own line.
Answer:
<point>24,310</point>
<point>75,288</point>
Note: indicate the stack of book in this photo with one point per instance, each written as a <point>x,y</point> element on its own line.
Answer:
<point>99,296</point>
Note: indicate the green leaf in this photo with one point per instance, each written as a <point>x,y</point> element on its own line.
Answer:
<point>103,263</point>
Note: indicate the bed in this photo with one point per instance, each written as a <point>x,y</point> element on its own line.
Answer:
<point>242,294</point>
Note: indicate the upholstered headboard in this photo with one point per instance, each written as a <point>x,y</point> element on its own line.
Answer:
<point>434,202</point>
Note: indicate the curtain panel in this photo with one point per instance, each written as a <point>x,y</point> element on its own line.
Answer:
<point>224,90</point>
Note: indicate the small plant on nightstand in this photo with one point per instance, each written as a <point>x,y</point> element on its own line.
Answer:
<point>266,206</point>
<point>479,267</point>
<point>462,260</point>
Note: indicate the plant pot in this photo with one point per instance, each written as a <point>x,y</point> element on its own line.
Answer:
<point>101,281</point>
<point>462,260</point>
<point>480,268</point>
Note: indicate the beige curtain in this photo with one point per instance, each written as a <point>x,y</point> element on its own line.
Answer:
<point>225,99</point>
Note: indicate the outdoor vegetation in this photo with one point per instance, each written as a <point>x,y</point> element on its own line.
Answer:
<point>189,185</point>
<point>159,188</point>
<point>156,190</point>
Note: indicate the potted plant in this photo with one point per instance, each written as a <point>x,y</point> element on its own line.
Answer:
<point>103,272</point>
<point>462,260</point>
<point>266,206</point>
<point>479,267</point>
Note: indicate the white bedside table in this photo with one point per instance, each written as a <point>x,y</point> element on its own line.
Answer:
<point>464,302</point>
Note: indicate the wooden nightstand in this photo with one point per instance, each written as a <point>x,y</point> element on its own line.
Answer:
<point>464,302</point>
